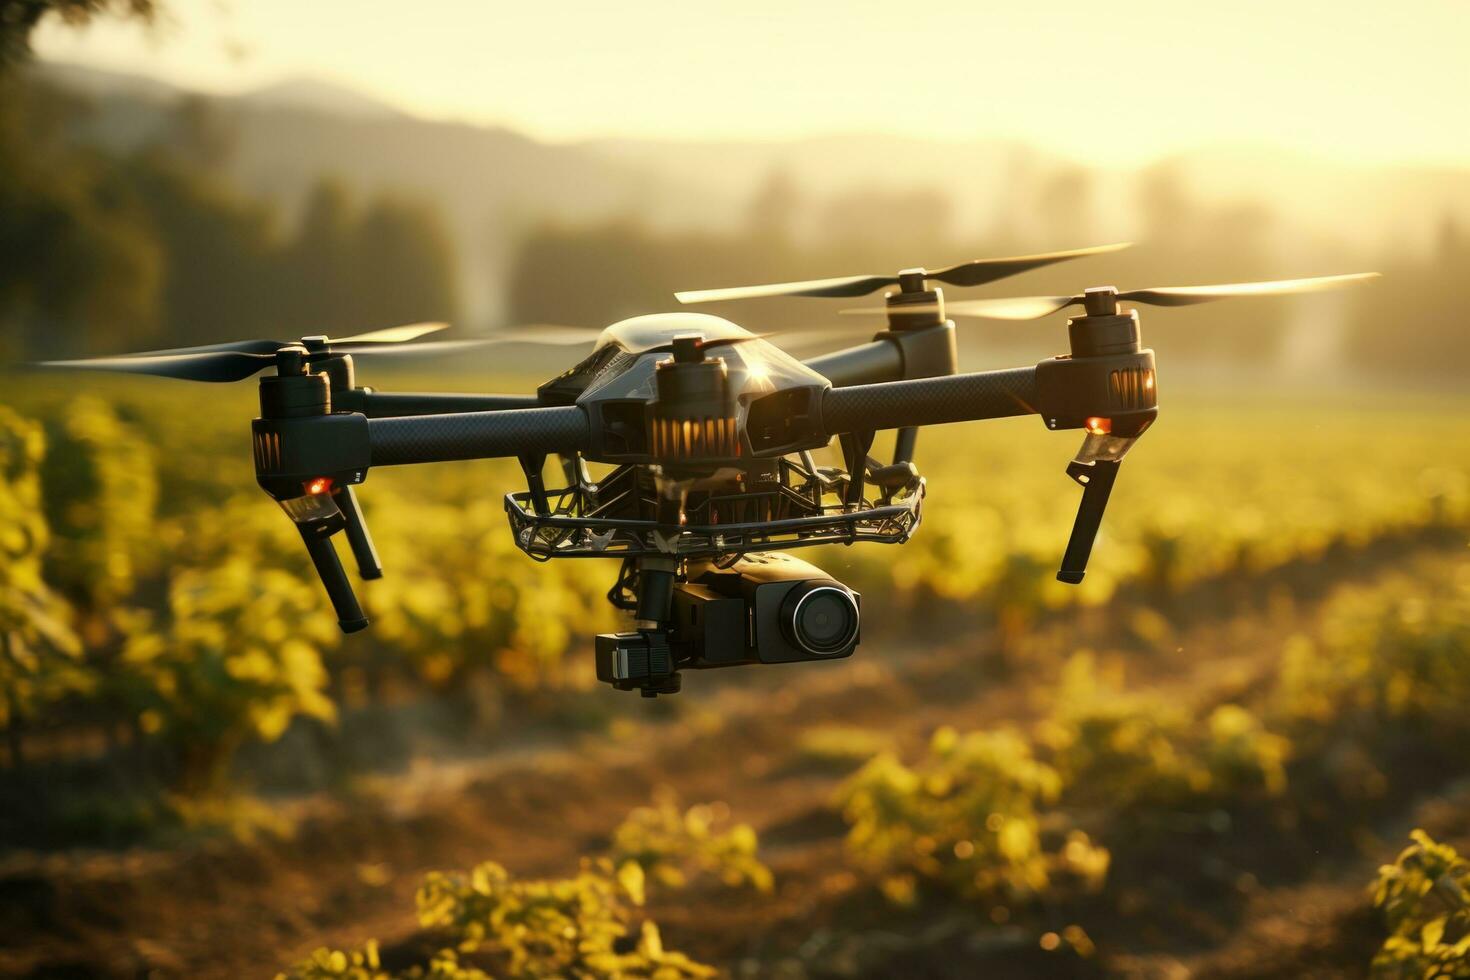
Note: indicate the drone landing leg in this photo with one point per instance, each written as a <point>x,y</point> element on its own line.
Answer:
<point>1097,484</point>
<point>329,567</point>
<point>358,537</point>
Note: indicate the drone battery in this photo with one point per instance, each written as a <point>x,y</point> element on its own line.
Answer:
<point>627,660</point>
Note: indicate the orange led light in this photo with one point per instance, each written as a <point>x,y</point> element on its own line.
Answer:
<point>1098,426</point>
<point>319,486</point>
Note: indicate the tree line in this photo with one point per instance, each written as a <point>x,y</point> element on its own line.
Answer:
<point>105,252</point>
<point>102,250</point>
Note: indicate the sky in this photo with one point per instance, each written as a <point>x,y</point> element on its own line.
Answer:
<point>1125,80</point>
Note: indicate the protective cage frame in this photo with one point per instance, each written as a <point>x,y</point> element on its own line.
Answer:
<point>572,522</point>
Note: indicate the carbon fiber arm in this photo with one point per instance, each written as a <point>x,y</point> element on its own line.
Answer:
<point>478,435</point>
<point>930,401</point>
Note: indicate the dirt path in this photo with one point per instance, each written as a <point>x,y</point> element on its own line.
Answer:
<point>350,872</point>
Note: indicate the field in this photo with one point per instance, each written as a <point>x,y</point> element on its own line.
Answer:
<point>1194,764</point>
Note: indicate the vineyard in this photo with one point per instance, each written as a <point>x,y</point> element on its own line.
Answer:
<point>1207,760</point>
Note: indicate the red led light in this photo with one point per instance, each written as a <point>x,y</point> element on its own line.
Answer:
<point>318,486</point>
<point>1098,426</point>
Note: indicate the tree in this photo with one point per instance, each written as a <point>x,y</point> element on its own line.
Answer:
<point>317,278</point>
<point>403,266</point>
<point>75,253</point>
<point>18,18</point>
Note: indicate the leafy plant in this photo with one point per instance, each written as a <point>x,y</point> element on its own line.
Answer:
<point>964,817</point>
<point>667,843</point>
<point>1134,750</point>
<point>573,927</point>
<point>842,748</point>
<point>1386,655</point>
<point>337,964</point>
<point>239,656</point>
<point>99,498</point>
<point>39,654</point>
<point>1425,899</point>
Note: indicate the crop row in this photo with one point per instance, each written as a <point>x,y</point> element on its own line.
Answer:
<point>1005,820</point>
<point>150,591</point>
<point>585,926</point>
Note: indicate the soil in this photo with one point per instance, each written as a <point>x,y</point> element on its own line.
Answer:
<point>1211,895</point>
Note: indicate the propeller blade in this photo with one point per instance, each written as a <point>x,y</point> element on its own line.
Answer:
<point>1014,308</point>
<point>1034,307</point>
<point>1017,308</point>
<point>209,365</point>
<point>237,346</point>
<point>972,273</point>
<point>564,337</point>
<point>841,286</point>
<point>391,335</point>
<point>1189,295</point>
<point>981,271</point>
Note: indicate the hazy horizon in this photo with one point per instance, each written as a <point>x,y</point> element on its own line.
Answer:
<point>1376,86</point>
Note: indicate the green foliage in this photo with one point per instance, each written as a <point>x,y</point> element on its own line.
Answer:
<point>404,260</point>
<point>352,265</point>
<point>99,498</point>
<point>1425,899</point>
<point>964,817</point>
<point>667,843</point>
<point>1393,654</point>
<point>39,654</point>
<point>840,747</point>
<point>239,657</point>
<point>74,251</point>
<point>337,964</point>
<point>465,598</point>
<point>571,927</point>
<point>586,926</point>
<point>444,965</point>
<point>1134,750</point>
<point>221,265</point>
<point>100,252</point>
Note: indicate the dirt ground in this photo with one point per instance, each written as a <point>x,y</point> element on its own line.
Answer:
<point>1250,898</point>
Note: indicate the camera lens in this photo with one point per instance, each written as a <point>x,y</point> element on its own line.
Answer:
<point>820,618</point>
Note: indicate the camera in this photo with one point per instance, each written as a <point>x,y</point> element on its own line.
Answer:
<point>764,608</point>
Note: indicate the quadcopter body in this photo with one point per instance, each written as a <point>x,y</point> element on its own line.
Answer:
<point>708,431</point>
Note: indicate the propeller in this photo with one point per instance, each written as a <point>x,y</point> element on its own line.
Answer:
<point>1103,301</point>
<point>242,359</point>
<point>973,273</point>
<point>388,335</point>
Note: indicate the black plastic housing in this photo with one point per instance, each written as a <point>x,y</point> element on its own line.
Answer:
<point>741,614</point>
<point>1119,387</point>
<point>291,452</point>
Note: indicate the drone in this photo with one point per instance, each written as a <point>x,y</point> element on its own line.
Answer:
<point>709,430</point>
